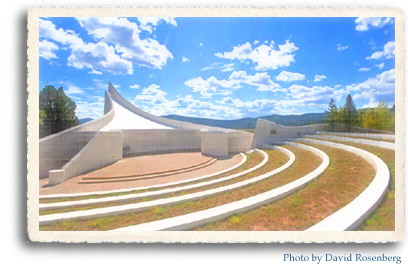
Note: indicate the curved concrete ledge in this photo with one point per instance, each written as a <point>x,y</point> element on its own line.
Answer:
<point>152,193</point>
<point>139,177</point>
<point>188,221</point>
<point>138,207</point>
<point>376,136</point>
<point>71,195</point>
<point>381,144</point>
<point>353,214</point>
<point>177,170</point>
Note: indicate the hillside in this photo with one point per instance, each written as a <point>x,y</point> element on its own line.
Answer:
<point>250,123</point>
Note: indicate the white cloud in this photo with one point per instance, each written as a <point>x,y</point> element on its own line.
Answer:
<point>290,76</point>
<point>184,59</point>
<point>186,105</point>
<point>364,69</point>
<point>387,53</point>
<point>380,87</point>
<point>71,89</point>
<point>124,35</point>
<point>149,23</point>
<point>266,57</point>
<point>93,56</point>
<point>365,23</point>
<point>92,108</point>
<point>213,86</point>
<point>152,94</point>
<point>341,48</point>
<point>135,86</point>
<point>95,72</point>
<point>319,78</point>
<point>118,46</point>
<point>47,50</point>
<point>220,66</point>
<point>380,66</point>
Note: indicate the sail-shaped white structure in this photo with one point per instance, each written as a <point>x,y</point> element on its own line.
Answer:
<point>125,128</point>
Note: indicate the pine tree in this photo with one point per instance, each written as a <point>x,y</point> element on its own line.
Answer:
<point>58,111</point>
<point>349,113</point>
<point>332,114</point>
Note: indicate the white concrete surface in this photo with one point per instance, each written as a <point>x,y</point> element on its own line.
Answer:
<point>137,207</point>
<point>381,144</point>
<point>353,214</point>
<point>150,193</point>
<point>103,149</point>
<point>214,143</point>
<point>188,221</point>
<point>376,136</point>
<point>267,132</point>
<point>57,149</point>
<point>127,120</point>
<point>72,195</point>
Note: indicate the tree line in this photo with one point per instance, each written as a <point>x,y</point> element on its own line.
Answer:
<point>57,111</point>
<point>381,117</point>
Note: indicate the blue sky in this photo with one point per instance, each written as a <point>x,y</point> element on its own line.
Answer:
<point>223,68</point>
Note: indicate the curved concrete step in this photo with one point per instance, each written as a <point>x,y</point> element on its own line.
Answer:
<point>138,207</point>
<point>80,194</point>
<point>375,136</point>
<point>152,173</point>
<point>353,214</point>
<point>188,221</point>
<point>152,193</point>
<point>381,144</point>
<point>133,178</point>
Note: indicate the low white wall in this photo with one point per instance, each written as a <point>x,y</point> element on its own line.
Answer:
<point>161,141</point>
<point>214,143</point>
<point>239,141</point>
<point>57,149</point>
<point>267,132</point>
<point>103,149</point>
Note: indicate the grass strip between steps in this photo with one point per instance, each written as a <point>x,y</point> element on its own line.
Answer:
<point>345,178</point>
<point>304,163</point>
<point>279,159</point>
<point>382,218</point>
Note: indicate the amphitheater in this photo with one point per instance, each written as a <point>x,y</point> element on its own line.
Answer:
<point>132,171</point>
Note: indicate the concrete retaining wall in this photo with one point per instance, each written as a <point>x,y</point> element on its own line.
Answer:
<point>57,149</point>
<point>267,132</point>
<point>161,141</point>
<point>103,149</point>
<point>239,141</point>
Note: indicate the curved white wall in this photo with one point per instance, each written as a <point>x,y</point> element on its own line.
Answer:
<point>57,149</point>
<point>267,132</point>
